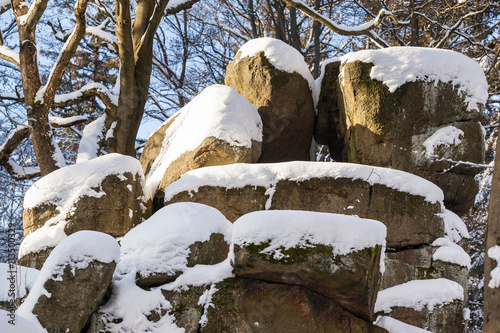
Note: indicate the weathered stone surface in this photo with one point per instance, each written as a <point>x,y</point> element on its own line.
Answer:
<point>434,304</point>
<point>285,104</point>
<point>410,219</point>
<point>186,307</point>
<point>443,319</point>
<point>351,280</point>
<point>327,126</point>
<point>73,282</point>
<point>244,305</point>
<point>211,151</point>
<point>387,129</point>
<point>35,259</point>
<point>153,145</point>
<point>418,264</point>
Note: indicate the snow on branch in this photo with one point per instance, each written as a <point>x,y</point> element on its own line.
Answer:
<point>9,55</point>
<point>31,18</point>
<point>4,6</point>
<point>175,6</point>
<point>87,91</point>
<point>365,29</point>
<point>104,35</point>
<point>57,122</point>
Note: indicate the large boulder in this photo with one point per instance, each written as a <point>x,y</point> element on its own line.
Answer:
<point>274,76</point>
<point>73,282</point>
<point>408,205</point>
<point>416,110</point>
<point>435,304</point>
<point>246,305</point>
<point>176,237</point>
<point>217,127</point>
<point>336,256</point>
<point>105,194</point>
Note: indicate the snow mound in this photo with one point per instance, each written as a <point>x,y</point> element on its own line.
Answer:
<point>77,251</point>
<point>494,253</point>
<point>19,324</point>
<point>285,229</point>
<point>454,227</point>
<point>419,294</point>
<point>22,278</point>
<point>161,243</point>
<point>281,55</point>
<point>218,111</point>
<point>395,326</point>
<point>395,66</point>
<point>47,236</point>
<point>448,251</point>
<point>65,186</point>
<point>267,175</point>
<point>446,136</point>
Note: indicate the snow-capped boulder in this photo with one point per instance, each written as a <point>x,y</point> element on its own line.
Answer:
<point>336,256</point>
<point>434,304</point>
<point>72,282</point>
<point>217,127</point>
<point>176,237</point>
<point>105,194</point>
<point>274,76</point>
<point>410,108</point>
<point>405,203</point>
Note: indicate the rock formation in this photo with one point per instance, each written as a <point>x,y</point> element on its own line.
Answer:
<point>274,76</point>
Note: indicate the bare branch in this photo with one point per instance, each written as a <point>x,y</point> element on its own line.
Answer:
<point>98,32</point>
<point>365,29</point>
<point>47,92</point>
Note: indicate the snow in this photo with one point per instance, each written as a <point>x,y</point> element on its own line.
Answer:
<point>59,121</point>
<point>89,144</point>
<point>281,55</point>
<point>267,175</point>
<point>285,229</point>
<point>454,228</point>
<point>395,66</point>
<point>47,236</point>
<point>24,278</point>
<point>105,36</point>
<point>218,111</point>
<point>395,326</point>
<point>20,324</point>
<point>494,253</point>
<point>419,294</point>
<point>448,251</point>
<point>133,304</point>
<point>76,251</point>
<point>447,136</point>
<point>99,87</point>
<point>172,4</point>
<point>6,51</point>
<point>161,243</point>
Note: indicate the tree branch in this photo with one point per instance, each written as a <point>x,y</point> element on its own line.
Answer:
<point>11,56</point>
<point>86,92</point>
<point>365,29</point>
<point>47,92</point>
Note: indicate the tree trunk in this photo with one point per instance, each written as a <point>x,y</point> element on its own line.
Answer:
<point>414,29</point>
<point>317,34</point>
<point>492,295</point>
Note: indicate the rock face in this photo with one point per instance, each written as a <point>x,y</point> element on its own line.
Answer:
<point>218,127</point>
<point>322,187</point>
<point>246,305</point>
<point>434,304</point>
<point>280,88</point>
<point>336,256</point>
<point>388,122</point>
<point>104,194</point>
<point>72,282</point>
